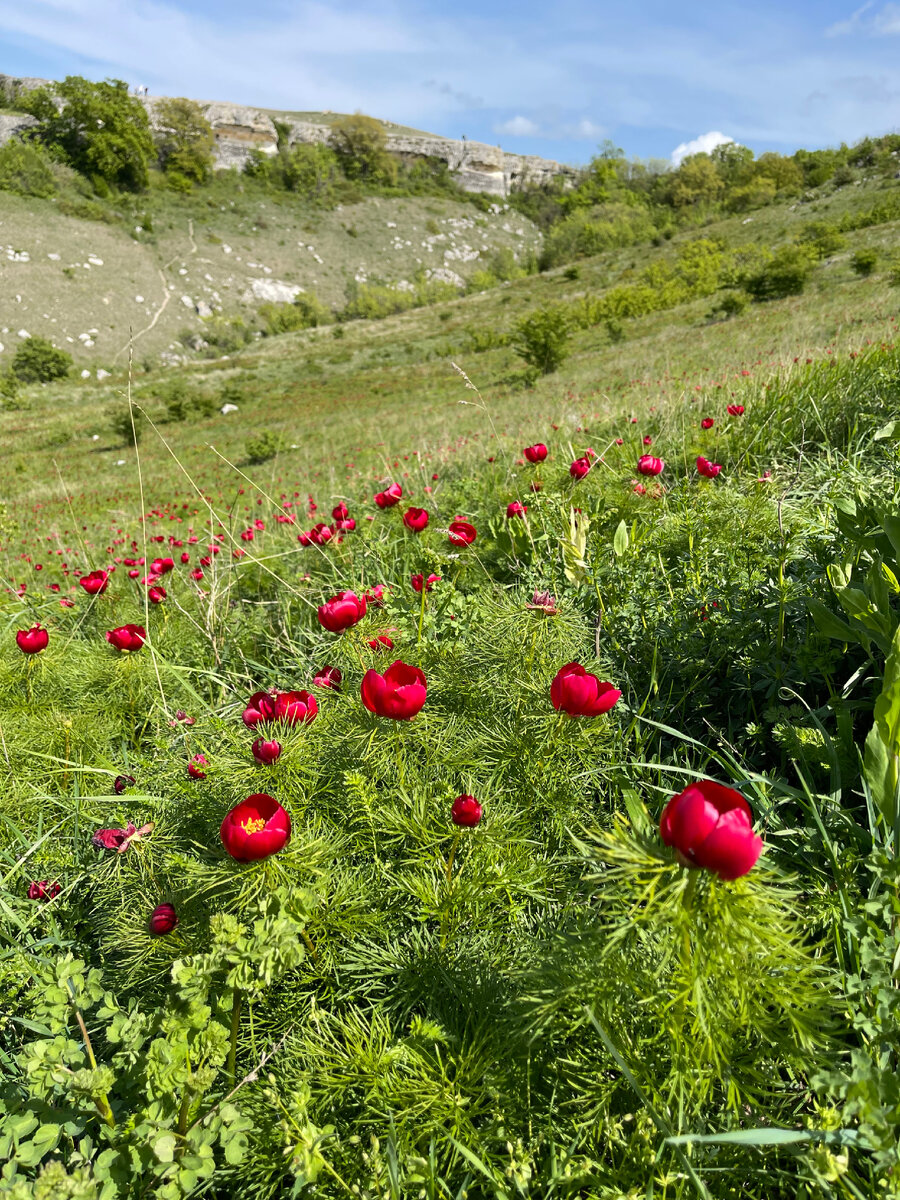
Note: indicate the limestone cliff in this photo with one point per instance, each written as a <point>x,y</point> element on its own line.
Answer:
<point>238,129</point>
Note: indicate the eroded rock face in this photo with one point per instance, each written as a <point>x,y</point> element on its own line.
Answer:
<point>240,129</point>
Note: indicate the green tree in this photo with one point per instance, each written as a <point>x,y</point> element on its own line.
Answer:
<point>97,128</point>
<point>360,144</point>
<point>696,182</point>
<point>184,139</point>
<point>39,361</point>
<point>541,340</point>
<point>783,171</point>
<point>26,170</point>
<point>734,162</point>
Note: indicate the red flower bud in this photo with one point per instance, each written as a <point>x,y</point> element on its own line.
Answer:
<point>96,583</point>
<point>577,693</point>
<point>196,765</point>
<point>466,811</point>
<point>342,611</point>
<point>536,453</point>
<point>156,595</point>
<point>163,919</point>
<point>255,828</point>
<point>515,509</point>
<point>127,637</point>
<point>340,512</point>
<point>265,752</point>
<point>32,641</point>
<point>580,467</point>
<point>648,465</point>
<point>399,693</point>
<point>707,469</point>
<point>710,826</point>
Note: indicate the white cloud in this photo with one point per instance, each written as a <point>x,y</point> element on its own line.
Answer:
<point>886,21</point>
<point>852,24</point>
<point>518,127</point>
<point>700,145</point>
<point>587,129</point>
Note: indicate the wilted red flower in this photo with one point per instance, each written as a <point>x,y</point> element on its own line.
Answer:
<point>399,693</point>
<point>580,467</point>
<point>255,828</point>
<point>417,581</point>
<point>265,752</point>
<point>466,811</point>
<point>461,533</point>
<point>342,611</point>
<point>516,509</point>
<point>43,890</point>
<point>735,410</point>
<point>389,497</point>
<point>415,519</point>
<point>648,465</point>
<point>707,423</point>
<point>196,765</point>
<point>577,693</point>
<point>328,677</point>
<point>163,919</point>
<point>96,583</point>
<point>711,826</point>
<point>112,839</point>
<point>32,641</point>
<point>709,470</point>
<point>127,637</point>
<point>156,595</point>
<point>536,453</point>
<point>121,782</point>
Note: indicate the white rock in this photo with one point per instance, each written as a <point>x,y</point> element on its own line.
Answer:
<point>54,257</point>
<point>187,302</point>
<point>203,309</point>
<point>228,408</point>
<point>23,333</point>
<point>101,374</point>
<point>139,299</point>
<point>94,261</point>
<point>95,437</point>
<point>120,462</point>
<point>271,290</point>
<point>84,374</point>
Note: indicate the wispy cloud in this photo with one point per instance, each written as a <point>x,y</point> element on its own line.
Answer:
<point>885,21</point>
<point>699,145</point>
<point>518,127</point>
<point>552,127</point>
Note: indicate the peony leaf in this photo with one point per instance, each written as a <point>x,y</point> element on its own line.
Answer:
<point>882,754</point>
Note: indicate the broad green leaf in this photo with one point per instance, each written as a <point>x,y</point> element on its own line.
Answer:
<point>164,1148</point>
<point>620,540</point>
<point>891,526</point>
<point>827,623</point>
<point>886,431</point>
<point>882,754</point>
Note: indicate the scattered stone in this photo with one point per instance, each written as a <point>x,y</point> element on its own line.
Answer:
<point>101,374</point>
<point>228,408</point>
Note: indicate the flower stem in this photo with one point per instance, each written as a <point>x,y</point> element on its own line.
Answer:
<point>422,610</point>
<point>235,1027</point>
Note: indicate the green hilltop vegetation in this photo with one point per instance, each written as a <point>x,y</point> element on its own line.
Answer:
<point>600,900</point>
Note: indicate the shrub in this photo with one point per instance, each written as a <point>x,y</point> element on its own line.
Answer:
<point>732,304</point>
<point>359,142</point>
<point>785,275</point>
<point>305,312</point>
<point>9,385</point>
<point>541,339</point>
<point>39,361</point>
<point>184,141</point>
<point>261,448</point>
<point>863,261</point>
<point>128,433</point>
<point>822,237</point>
<point>590,231</point>
<point>26,170</point>
<point>893,275</point>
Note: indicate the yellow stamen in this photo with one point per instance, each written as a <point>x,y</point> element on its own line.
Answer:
<point>253,824</point>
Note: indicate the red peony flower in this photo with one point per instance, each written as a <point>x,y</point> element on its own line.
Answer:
<point>648,441</point>
<point>389,497</point>
<point>707,469</point>
<point>342,611</point>
<point>580,467</point>
<point>127,637</point>
<point>648,465</point>
<point>32,641</point>
<point>255,828</point>
<point>156,595</point>
<point>415,519</point>
<point>461,533</point>
<point>340,512</point>
<point>196,765</point>
<point>515,509</point>
<point>577,693</point>
<point>536,453</point>
<point>265,752</point>
<point>381,641</point>
<point>163,919</point>
<point>418,580</point>
<point>328,677</point>
<point>707,423</point>
<point>399,693</point>
<point>296,708</point>
<point>735,410</point>
<point>161,566</point>
<point>466,811</point>
<point>96,583</point>
<point>710,826</point>
<point>43,890</point>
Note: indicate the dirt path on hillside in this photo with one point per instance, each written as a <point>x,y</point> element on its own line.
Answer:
<point>166,297</point>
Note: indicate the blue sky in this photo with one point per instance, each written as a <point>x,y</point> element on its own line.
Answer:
<point>552,78</point>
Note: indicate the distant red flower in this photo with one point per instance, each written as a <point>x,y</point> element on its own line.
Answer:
<point>43,890</point>
<point>389,497</point>
<point>127,637</point>
<point>255,828</point>
<point>461,533</point>
<point>536,453</point>
<point>161,566</point>
<point>195,767</point>
<point>709,470</point>
<point>736,410</point>
<point>711,826</point>
<point>375,595</point>
<point>156,594</point>
<point>163,920</point>
<point>620,441</point>
<point>466,811</point>
<point>415,519</point>
<point>399,693</point>
<point>32,641</point>
<point>417,582</point>
<point>580,467</point>
<point>265,752</point>
<point>648,441</point>
<point>96,583</point>
<point>515,509</point>
<point>707,423</point>
<point>381,642</point>
<point>578,693</point>
<point>328,677</point>
<point>648,465</point>
<point>320,534</point>
<point>342,611</point>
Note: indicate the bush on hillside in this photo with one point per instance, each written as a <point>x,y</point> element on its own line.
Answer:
<point>26,170</point>
<point>785,275</point>
<point>129,433</point>
<point>97,128</point>
<point>822,237</point>
<point>360,144</point>
<point>305,312</point>
<point>586,232</point>
<point>184,140</point>
<point>541,339</point>
<point>39,361</point>
<point>261,448</point>
<point>863,262</point>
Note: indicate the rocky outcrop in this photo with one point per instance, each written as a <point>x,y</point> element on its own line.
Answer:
<point>14,124</point>
<point>239,129</point>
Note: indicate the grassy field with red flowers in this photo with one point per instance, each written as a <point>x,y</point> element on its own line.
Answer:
<point>429,780</point>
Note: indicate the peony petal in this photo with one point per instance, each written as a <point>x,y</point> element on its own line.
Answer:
<point>689,820</point>
<point>732,849</point>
